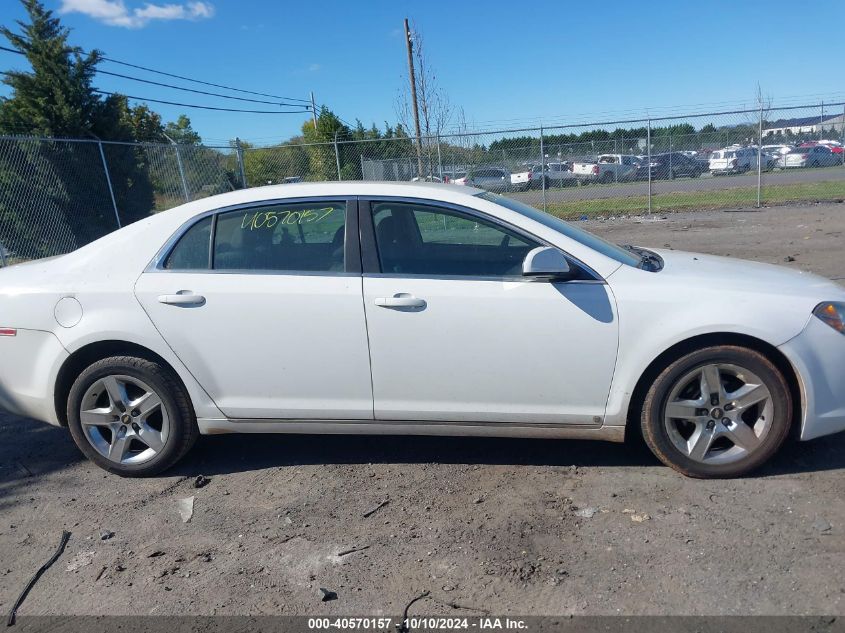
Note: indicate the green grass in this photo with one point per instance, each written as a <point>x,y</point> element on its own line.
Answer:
<point>719,199</point>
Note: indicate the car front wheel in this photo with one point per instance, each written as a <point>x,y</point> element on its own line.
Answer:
<point>717,412</point>
<point>131,416</point>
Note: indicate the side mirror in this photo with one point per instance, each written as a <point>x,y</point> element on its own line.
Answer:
<point>545,262</point>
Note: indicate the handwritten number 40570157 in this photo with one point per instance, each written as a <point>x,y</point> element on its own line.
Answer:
<point>269,219</point>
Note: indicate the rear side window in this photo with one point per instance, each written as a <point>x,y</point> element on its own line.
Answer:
<point>283,237</point>
<point>192,250</point>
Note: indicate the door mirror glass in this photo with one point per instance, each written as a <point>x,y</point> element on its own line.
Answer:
<point>545,262</point>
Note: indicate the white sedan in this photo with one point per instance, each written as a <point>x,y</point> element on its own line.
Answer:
<point>396,308</point>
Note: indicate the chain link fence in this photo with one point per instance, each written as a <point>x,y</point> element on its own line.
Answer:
<point>57,194</point>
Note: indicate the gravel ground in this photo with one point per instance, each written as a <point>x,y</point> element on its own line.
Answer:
<point>502,526</point>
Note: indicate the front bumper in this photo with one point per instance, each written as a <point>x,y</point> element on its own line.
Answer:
<point>28,368</point>
<point>818,356</point>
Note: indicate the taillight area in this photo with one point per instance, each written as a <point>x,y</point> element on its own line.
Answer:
<point>8,331</point>
<point>596,170</point>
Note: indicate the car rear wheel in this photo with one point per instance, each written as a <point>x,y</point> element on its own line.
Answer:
<point>717,412</point>
<point>131,416</point>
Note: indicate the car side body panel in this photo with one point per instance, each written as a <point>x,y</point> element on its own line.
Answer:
<point>682,302</point>
<point>693,294</point>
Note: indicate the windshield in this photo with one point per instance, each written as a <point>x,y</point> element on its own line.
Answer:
<point>586,238</point>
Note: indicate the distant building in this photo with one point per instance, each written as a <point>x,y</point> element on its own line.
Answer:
<point>805,125</point>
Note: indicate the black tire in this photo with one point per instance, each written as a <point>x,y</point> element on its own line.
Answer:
<point>656,435</point>
<point>183,430</point>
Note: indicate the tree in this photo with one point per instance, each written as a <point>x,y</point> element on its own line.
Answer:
<point>181,131</point>
<point>271,165</point>
<point>146,125</point>
<point>435,108</point>
<point>434,105</point>
<point>322,137</point>
<point>56,99</point>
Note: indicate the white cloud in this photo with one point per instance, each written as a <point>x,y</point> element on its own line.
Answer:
<point>116,13</point>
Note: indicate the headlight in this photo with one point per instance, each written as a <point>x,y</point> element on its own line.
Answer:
<point>832,313</point>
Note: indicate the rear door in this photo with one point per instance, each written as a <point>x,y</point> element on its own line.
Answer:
<point>269,319</point>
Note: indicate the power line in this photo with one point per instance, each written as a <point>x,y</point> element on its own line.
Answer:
<point>183,78</point>
<point>198,81</point>
<point>304,108</point>
<point>201,92</point>
<point>204,107</point>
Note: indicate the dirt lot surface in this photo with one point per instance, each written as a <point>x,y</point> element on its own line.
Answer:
<point>503,526</point>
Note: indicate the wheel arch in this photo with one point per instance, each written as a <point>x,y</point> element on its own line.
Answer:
<point>93,352</point>
<point>700,341</point>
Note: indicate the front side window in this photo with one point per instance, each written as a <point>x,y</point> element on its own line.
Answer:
<point>282,237</point>
<point>416,239</point>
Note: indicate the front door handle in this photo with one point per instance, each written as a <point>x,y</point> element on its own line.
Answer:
<point>400,300</point>
<point>182,298</point>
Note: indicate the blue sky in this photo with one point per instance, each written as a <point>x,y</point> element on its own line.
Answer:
<point>505,62</point>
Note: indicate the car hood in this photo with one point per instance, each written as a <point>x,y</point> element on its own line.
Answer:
<point>730,274</point>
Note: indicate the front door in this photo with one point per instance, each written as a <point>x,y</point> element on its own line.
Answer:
<point>269,319</point>
<point>457,335</point>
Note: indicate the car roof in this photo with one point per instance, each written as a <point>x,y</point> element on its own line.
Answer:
<point>432,190</point>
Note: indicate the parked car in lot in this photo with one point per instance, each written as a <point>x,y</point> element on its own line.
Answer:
<point>452,176</point>
<point>489,178</point>
<point>555,174</point>
<point>776,150</point>
<point>813,156</point>
<point>607,168</point>
<point>835,147</point>
<point>733,160</point>
<point>674,165</point>
<point>560,174</point>
<point>421,309</point>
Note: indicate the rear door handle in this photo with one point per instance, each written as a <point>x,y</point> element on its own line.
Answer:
<point>400,300</point>
<point>182,298</point>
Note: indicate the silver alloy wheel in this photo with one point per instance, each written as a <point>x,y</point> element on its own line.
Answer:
<point>124,419</point>
<point>718,413</point>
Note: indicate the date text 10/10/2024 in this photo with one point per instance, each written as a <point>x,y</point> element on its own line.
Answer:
<point>420,623</point>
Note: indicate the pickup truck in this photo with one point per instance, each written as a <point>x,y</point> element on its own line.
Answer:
<point>606,168</point>
<point>522,179</point>
<point>557,174</point>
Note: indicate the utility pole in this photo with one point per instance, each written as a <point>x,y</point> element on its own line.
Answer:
<point>410,46</point>
<point>314,111</point>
